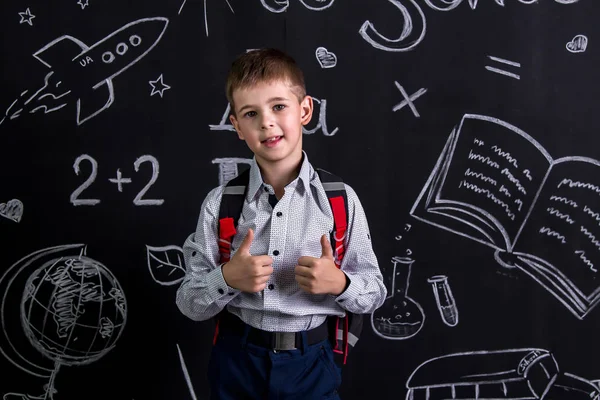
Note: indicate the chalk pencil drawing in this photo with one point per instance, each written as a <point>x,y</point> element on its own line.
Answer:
<point>158,86</point>
<point>165,264</point>
<point>400,317</point>
<point>495,184</point>
<point>279,6</point>
<point>70,308</point>
<point>325,58</point>
<point>12,210</point>
<point>408,100</point>
<point>186,375</point>
<point>83,3</point>
<point>502,71</point>
<point>578,44</point>
<point>512,374</point>
<point>26,17</point>
<point>228,167</point>
<point>87,72</point>
<point>444,299</point>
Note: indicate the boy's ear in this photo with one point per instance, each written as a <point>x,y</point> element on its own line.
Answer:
<point>236,125</point>
<point>306,107</point>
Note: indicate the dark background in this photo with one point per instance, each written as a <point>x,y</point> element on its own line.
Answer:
<point>385,156</point>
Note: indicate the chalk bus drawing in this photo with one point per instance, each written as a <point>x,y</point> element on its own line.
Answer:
<point>26,17</point>
<point>513,374</point>
<point>494,184</point>
<point>12,209</point>
<point>165,264</point>
<point>578,44</point>
<point>72,311</point>
<point>400,317</point>
<point>228,167</point>
<point>88,71</point>
<point>325,58</point>
<point>444,299</point>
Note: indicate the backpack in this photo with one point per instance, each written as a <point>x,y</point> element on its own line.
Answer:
<point>344,332</point>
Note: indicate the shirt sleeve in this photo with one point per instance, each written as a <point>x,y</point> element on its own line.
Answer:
<point>204,292</point>
<point>366,291</point>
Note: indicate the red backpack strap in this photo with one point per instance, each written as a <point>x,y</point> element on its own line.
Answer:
<point>230,211</point>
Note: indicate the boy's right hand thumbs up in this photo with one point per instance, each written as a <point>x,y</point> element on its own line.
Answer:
<point>246,272</point>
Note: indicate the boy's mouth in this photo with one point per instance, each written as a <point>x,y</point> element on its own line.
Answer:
<point>272,141</point>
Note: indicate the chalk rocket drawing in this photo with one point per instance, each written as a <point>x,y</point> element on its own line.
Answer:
<point>26,17</point>
<point>158,86</point>
<point>72,311</point>
<point>87,72</point>
<point>513,374</point>
<point>165,264</point>
<point>13,210</point>
<point>326,58</point>
<point>578,44</point>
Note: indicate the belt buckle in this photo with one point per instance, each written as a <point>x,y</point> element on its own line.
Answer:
<point>284,341</point>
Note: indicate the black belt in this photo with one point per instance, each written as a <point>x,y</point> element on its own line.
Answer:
<point>276,341</point>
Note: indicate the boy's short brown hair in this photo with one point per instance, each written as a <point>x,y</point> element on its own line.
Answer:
<point>264,65</point>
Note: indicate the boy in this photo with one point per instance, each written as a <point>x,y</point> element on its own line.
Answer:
<point>281,276</point>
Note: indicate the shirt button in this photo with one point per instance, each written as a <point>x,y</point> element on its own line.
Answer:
<point>279,213</point>
<point>271,286</point>
<point>194,253</point>
<point>221,291</point>
<point>275,252</point>
<point>266,189</point>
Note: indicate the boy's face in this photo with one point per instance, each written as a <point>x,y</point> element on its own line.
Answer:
<point>269,118</point>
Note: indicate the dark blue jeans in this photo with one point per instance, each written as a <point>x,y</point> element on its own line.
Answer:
<point>238,370</point>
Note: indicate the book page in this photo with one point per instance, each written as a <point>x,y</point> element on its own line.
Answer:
<point>495,170</point>
<point>563,229</point>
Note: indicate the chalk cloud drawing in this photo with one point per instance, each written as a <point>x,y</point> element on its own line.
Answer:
<point>501,71</point>
<point>400,317</point>
<point>72,311</point>
<point>165,264</point>
<point>444,299</point>
<point>26,17</point>
<point>12,209</point>
<point>408,100</point>
<point>513,374</point>
<point>83,3</point>
<point>228,167</point>
<point>578,44</point>
<point>88,71</point>
<point>326,58</point>
<point>495,184</point>
<point>158,86</point>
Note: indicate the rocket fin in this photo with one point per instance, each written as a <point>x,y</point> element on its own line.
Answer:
<point>95,101</point>
<point>59,50</point>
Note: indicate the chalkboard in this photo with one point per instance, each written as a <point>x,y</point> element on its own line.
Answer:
<point>468,128</point>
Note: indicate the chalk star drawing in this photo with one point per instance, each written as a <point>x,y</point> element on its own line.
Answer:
<point>158,86</point>
<point>83,3</point>
<point>26,16</point>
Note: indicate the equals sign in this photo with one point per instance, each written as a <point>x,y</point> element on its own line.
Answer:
<point>501,71</point>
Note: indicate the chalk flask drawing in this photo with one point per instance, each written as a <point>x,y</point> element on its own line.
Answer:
<point>400,317</point>
<point>494,184</point>
<point>514,374</point>
<point>72,311</point>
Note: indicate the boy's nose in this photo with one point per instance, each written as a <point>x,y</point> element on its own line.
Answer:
<point>267,121</point>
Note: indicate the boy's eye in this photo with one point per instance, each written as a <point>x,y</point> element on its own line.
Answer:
<point>279,107</point>
<point>250,114</point>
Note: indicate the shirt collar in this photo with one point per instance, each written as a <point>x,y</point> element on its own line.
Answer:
<point>256,182</point>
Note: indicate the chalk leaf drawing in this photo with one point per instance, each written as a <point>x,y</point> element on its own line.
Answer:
<point>495,184</point>
<point>166,264</point>
<point>26,17</point>
<point>578,44</point>
<point>514,374</point>
<point>72,311</point>
<point>326,58</point>
<point>158,86</point>
<point>13,210</point>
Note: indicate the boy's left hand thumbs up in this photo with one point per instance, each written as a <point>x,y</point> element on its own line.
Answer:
<point>320,275</point>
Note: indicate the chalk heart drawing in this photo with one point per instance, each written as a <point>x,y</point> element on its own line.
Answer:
<point>166,264</point>
<point>72,311</point>
<point>326,58</point>
<point>578,44</point>
<point>13,210</point>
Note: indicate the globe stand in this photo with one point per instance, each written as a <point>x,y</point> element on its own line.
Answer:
<point>49,387</point>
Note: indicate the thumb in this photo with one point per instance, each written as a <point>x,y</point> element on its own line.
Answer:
<point>327,251</point>
<point>247,242</point>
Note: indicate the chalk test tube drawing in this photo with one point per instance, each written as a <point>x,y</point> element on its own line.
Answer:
<point>514,374</point>
<point>71,310</point>
<point>186,375</point>
<point>326,58</point>
<point>400,317</point>
<point>408,100</point>
<point>83,3</point>
<point>88,71</point>
<point>165,264</point>
<point>158,86</point>
<point>494,184</point>
<point>279,6</point>
<point>578,44</point>
<point>228,167</point>
<point>26,17</point>
<point>501,71</point>
<point>444,299</point>
<point>12,209</point>
<point>223,125</point>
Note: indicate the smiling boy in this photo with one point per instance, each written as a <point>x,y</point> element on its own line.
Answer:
<point>281,276</point>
